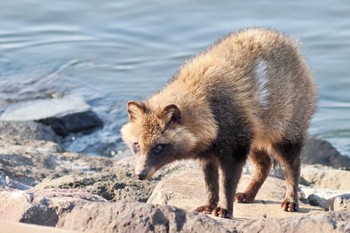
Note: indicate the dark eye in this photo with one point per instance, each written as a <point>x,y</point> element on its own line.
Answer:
<point>136,147</point>
<point>158,148</point>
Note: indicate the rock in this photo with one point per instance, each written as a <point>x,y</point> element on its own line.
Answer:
<point>318,151</point>
<point>94,216</point>
<point>316,200</point>
<point>189,193</point>
<point>69,114</point>
<point>84,122</point>
<point>5,181</point>
<point>107,185</point>
<point>44,108</point>
<point>75,209</point>
<point>117,183</point>
<point>339,203</point>
<point>320,222</point>
<point>30,161</point>
<point>128,164</point>
<point>139,217</point>
<point>95,183</point>
<point>326,177</point>
<point>14,227</point>
<point>27,130</point>
<point>41,207</point>
<point>279,172</point>
<point>114,184</point>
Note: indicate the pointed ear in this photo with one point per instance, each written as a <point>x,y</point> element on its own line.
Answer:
<point>171,114</point>
<point>135,110</point>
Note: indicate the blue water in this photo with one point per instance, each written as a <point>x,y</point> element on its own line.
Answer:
<point>113,51</point>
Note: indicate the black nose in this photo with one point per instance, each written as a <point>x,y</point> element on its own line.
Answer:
<point>142,175</point>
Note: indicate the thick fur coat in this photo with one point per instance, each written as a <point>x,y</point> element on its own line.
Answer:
<point>251,94</point>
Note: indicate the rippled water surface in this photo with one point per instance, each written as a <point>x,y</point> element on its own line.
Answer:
<point>113,51</point>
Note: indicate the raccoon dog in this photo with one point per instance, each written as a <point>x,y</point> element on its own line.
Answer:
<point>250,95</point>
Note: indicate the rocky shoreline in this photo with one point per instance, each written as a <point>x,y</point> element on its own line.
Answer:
<point>42,184</point>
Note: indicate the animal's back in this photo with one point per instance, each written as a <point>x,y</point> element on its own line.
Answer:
<point>260,73</point>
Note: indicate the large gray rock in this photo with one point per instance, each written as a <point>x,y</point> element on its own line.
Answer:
<point>84,212</point>
<point>89,215</point>
<point>30,161</point>
<point>326,177</point>
<point>44,108</point>
<point>317,151</point>
<point>75,209</point>
<point>80,122</point>
<point>68,114</point>
<point>138,217</point>
<point>187,190</point>
<point>41,207</point>
<point>27,130</point>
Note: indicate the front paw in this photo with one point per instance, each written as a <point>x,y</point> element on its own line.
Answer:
<point>207,209</point>
<point>243,198</point>
<point>221,212</point>
<point>289,206</point>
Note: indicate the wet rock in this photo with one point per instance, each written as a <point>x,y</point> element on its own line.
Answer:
<point>339,203</point>
<point>41,207</point>
<point>317,151</point>
<point>28,130</point>
<point>326,177</point>
<point>30,161</point>
<point>44,108</point>
<point>316,200</point>
<point>69,114</point>
<point>84,122</point>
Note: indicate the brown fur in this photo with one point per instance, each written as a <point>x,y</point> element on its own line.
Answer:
<point>251,93</point>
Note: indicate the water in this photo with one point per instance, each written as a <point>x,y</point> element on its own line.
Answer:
<point>113,51</point>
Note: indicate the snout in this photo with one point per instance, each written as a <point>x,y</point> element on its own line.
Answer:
<point>145,174</point>
<point>141,174</point>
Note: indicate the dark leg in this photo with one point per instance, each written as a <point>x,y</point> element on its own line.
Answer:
<point>288,154</point>
<point>230,173</point>
<point>262,163</point>
<point>210,170</point>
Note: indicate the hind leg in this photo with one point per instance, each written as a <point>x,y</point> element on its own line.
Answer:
<point>288,155</point>
<point>262,162</point>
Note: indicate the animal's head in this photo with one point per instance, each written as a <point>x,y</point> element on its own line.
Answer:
<point>156,137</point>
